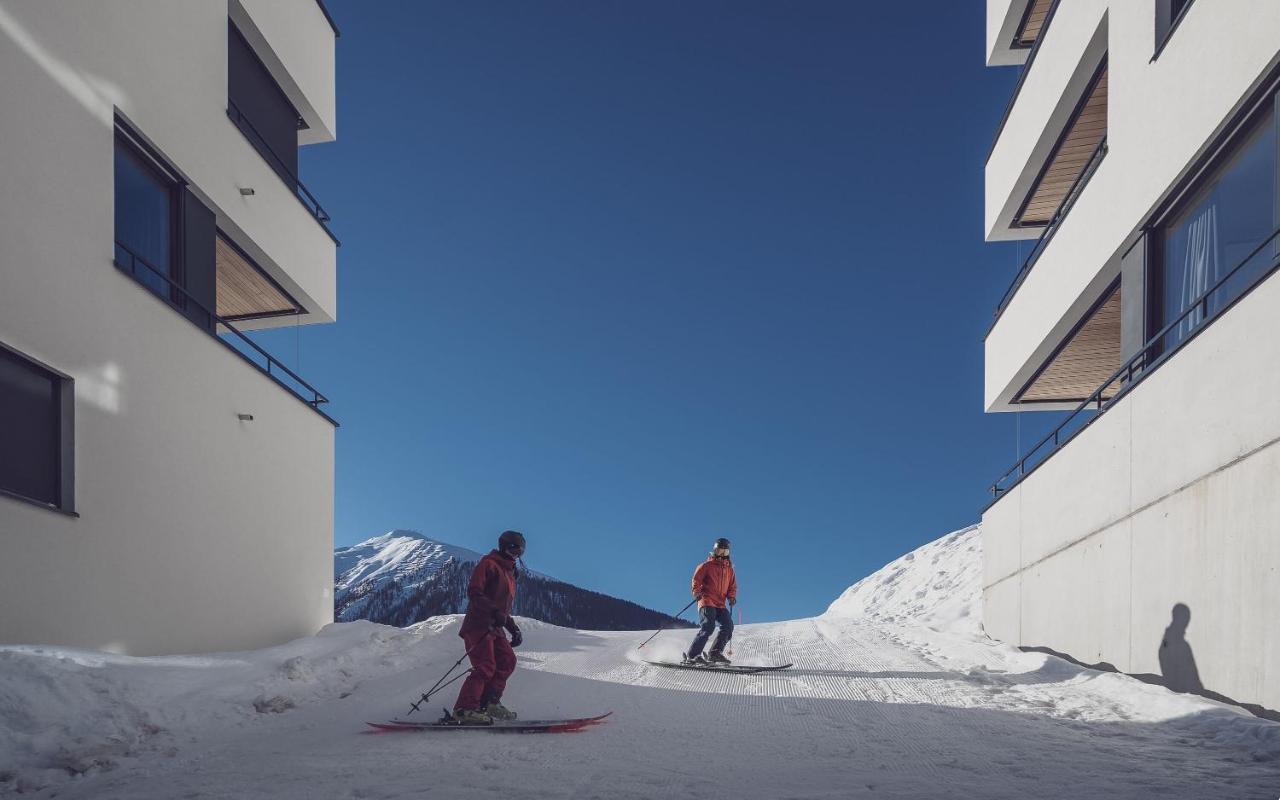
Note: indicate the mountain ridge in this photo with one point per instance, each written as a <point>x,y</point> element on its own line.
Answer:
<point>403,577</point>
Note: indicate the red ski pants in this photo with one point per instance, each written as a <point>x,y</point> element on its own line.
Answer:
<point>492,662</point>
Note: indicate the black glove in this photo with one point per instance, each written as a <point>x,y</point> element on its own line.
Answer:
<point>517,638</point>
<point>499,619</point>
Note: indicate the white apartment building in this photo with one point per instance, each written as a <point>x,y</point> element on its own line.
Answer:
<point>1139,152</point>
<point>165,484</point>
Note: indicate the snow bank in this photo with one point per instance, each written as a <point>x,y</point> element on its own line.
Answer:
<point>65,712</point>
<point>894,687</point>
<point>930,601</point>
<point>938,585</point>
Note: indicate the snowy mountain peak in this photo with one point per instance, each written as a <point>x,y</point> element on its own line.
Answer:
<point>397,554</point>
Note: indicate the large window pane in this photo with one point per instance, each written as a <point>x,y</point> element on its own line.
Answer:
<point>144,220</point>
<point>1219,229</point>
<point>261,108</point>
<point>29,430</point>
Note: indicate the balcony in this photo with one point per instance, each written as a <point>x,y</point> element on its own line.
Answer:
<point>1013,28</point>
<point>1065,201</point>
<point>220,328</point>
<point>1061,95</point>
<point>282,166</point>
<point>1180,331</point>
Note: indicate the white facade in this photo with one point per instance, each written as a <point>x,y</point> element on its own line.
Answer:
<point>193,529</point>
<point>1169,497</point>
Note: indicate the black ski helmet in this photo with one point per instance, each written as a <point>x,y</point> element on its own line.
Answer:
<point>721,544</point>
<point>511,542</point>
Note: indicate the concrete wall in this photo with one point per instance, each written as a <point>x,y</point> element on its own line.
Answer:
<point>1162,114</point>
<point>1169,497</point>
<point>196,531</point>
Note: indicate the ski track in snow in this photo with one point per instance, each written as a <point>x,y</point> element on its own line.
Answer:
<point>894,693</point>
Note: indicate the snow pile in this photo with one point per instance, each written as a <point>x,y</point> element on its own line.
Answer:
<point>894,692</point>
<point>938,585</point>
<point>67,712</point>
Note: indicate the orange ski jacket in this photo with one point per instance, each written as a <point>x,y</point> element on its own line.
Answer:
<point>714,583</point>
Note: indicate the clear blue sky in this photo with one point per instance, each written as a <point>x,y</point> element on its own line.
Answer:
<point>632,276</point>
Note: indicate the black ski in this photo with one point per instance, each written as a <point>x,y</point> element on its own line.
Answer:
<point>736,669</point>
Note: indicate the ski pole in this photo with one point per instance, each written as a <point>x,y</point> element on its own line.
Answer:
<point>661,628</point>
<point>440,684</point>
<point>739,622</point>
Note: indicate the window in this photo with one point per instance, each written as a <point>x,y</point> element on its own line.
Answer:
<point>36,408</point>
<point>1223,224</point>
<point>260,108</point>
<point>164,234</point>
<point>1168,14</point>
<point>145,220</point>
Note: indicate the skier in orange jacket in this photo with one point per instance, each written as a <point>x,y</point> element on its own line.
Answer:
<point>715,585</point>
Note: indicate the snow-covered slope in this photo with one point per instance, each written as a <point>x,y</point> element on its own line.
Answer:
<point>895,693</point>
<point>938,585</point>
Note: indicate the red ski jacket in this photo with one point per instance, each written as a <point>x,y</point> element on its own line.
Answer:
<point>492,589</point>
<point>714,583</point>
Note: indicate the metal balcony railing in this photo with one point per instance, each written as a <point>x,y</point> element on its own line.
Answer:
<point>183,301</point>
<point>1026,69</point>
<point>1055,222</point>
<point>1132,372</point>
<point>281,168</point>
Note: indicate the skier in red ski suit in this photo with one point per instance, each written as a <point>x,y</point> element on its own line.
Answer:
<point>714,584</point>
<point>490,593</point>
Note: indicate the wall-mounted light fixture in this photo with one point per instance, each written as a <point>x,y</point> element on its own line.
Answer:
<point>245,417</point>
<point>247,191</point>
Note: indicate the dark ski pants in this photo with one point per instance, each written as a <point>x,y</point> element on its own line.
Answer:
<point>710,615</point>
<point>492,662</point>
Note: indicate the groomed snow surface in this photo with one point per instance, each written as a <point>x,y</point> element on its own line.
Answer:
<point>895,693</point>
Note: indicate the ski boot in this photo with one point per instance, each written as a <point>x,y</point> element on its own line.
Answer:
<point>716,657</point>
<point>470,716</point>
<point>498,712</point>
<point>695,661</point>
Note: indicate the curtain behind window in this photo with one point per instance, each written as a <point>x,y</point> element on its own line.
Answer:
<point>1219,229</point>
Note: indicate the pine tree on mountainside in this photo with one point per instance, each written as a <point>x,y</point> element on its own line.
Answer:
<point>401,602</point>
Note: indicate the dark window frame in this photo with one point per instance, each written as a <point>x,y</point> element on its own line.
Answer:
<point>1263,101</point>
<point>150,158</point>
<point>191,278</point>
<point>1175,19</point>
<point>66,478</point>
